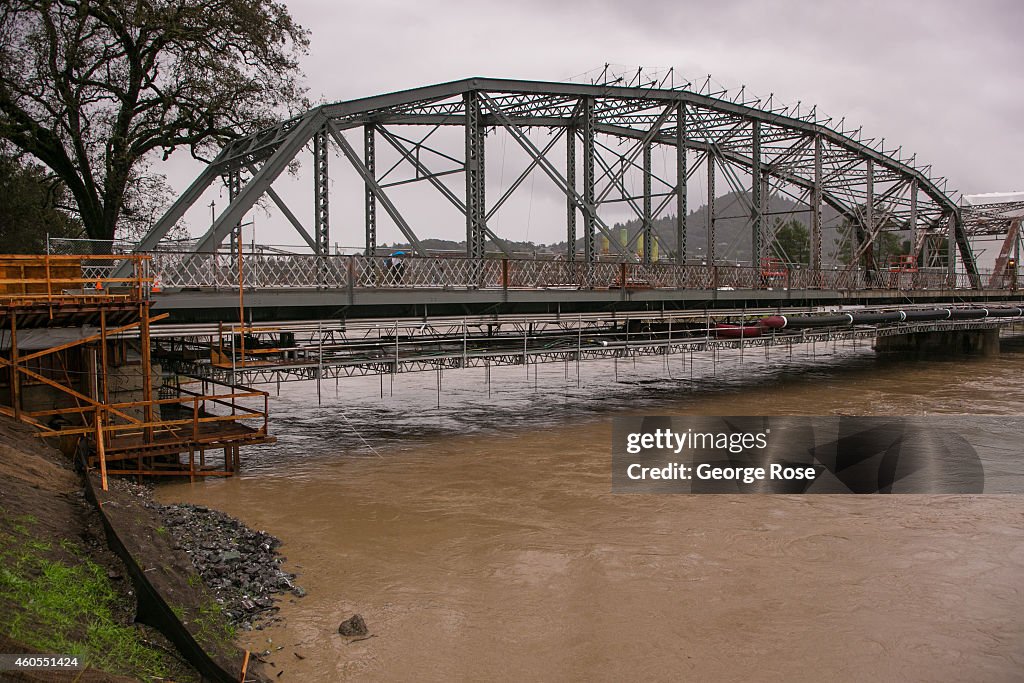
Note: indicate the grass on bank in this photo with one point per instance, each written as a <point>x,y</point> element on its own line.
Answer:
<point>68,606</point>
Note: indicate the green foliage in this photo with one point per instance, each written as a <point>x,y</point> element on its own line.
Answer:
<point>29,208</point>
<point>96,90</point>
<point>792,242</point>
<point>67,607</point>
<point>887,245</point>
<point>211,626</point>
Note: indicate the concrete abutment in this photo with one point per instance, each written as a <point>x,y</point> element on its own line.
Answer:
<point>983,342</point>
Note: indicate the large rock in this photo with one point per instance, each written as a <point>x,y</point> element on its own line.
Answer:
<point>353,626</point>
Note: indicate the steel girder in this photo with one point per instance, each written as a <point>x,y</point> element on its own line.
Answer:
<point>321,204</point>
<point>992,219</point>
<point>878,191</point>
<point>476,206</point>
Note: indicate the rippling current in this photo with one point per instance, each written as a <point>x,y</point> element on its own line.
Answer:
<point>475,530</point>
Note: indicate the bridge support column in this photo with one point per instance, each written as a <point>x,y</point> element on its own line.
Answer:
<point>681,208</point>
<point>757,198</point>
<point>648,226</point>
<point>570,202</point>
<point>234,188</point>
<point>589,197</point>
<point>984,342</point>
<point>711,208</point>
<point>370,161</point>
<point>321,216</point>
<point>816,208</point>
<point>951,250</point>
<point>913,220</point>
<point>476,207</point>
<point>869,226</point>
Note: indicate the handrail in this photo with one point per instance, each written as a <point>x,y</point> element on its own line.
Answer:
<point>132,404</point>
<point>342,271</point>
<point>109,428</point>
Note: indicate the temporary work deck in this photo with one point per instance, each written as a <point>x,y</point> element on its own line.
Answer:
<point>68,365</point>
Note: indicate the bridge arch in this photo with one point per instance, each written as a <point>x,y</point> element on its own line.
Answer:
<point>810,159</point>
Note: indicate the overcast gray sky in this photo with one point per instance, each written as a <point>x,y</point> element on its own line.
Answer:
<point>942,78</point>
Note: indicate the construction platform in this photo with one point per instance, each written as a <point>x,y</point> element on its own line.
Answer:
<point>76,364</point>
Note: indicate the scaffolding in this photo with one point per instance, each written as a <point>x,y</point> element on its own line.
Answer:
<point>75,353</point>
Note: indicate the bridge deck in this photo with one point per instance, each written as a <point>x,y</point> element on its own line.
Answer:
<point>205,287</point>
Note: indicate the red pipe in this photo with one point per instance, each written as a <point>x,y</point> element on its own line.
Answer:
<point>729,331</point>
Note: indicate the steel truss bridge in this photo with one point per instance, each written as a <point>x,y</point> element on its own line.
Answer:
<point>604,132</point>
<point>611,296</point>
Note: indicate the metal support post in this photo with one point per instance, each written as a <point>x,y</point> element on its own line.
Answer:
<point>816,199</point>
<point>681,208</point>
<point>648,222</point>
<point>951,251</point>
<point>476,208</point>
<point>757,198</point>
<point>1016,258</point>
<point>869,225</point>
<point>589,202</point>
<point>570,201</point>
<point>913,220</point>
<point>711,208</point>
<point>370,161</point>
<point>234,188</point>
<point>320,191</point>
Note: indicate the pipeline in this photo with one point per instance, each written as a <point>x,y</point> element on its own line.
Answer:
<point>780,322</point>
<point>728,331</point>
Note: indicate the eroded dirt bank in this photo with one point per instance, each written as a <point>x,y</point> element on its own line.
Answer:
<point>63,591</point>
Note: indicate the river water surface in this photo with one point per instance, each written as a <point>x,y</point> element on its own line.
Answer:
<point>480,539</point>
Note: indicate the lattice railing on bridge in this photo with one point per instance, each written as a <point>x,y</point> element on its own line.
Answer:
<point>308,271</point>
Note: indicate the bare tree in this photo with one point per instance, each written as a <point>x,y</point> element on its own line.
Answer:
<point>95,89</point>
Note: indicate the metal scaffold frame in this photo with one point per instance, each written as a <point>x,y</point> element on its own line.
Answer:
<point>78,307</point>
<point>755,148</point>
<point>320,350</point>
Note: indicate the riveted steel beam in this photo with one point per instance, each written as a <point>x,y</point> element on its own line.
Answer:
<point>587,132</point>
<point>369,198</point>
<point>570,201</point>
<point>710,162</point>
<point>816,197</point>
<point>756,230</point>
<point>476,205</point>
<point>321,193</point>
<point>681,177</point>
<point>648,221</point>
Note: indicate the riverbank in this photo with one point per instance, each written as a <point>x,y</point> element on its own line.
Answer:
<point>64,591</point>
<point>239,565</point>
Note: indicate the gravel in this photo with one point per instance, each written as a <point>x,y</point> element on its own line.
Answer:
<point>240,565</point>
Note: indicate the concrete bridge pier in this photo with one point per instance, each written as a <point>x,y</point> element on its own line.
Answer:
<point>982,342</point>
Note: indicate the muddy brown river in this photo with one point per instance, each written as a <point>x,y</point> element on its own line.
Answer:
<point>477,534</point>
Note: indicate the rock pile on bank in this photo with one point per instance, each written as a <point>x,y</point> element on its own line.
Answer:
<point>240,565</point>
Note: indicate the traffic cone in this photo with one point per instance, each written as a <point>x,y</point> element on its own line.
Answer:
<point>156,286</point>
<point>99,285</point>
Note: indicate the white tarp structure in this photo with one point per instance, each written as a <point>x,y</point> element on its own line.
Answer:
<point>993,198</point>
